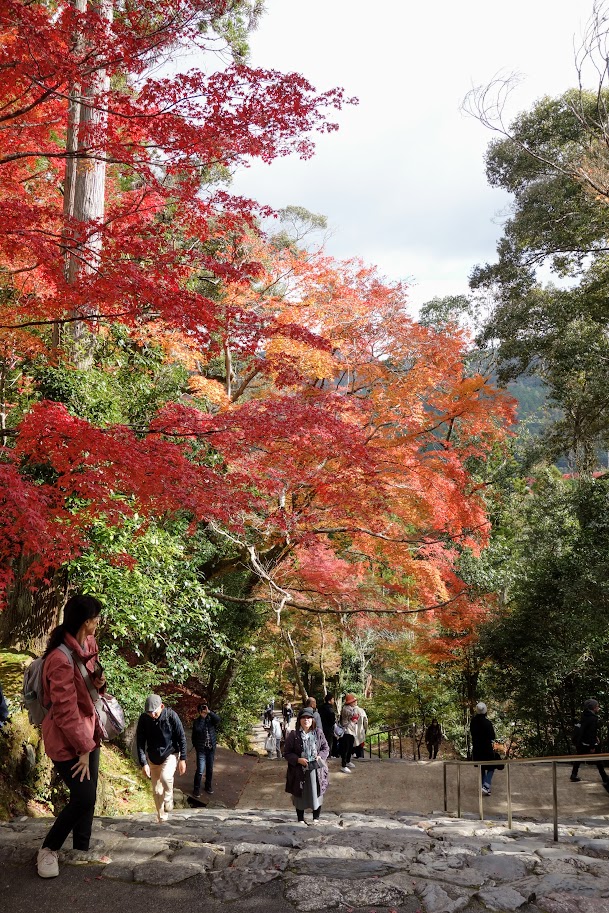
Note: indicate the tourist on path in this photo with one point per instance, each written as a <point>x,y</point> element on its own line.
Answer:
<point>349,717</point>
<point>433,739</point>
<point>306,752</point>
<point>71,729</point>
<point>589,741</point>
<point>277,733</point>
<point>288,713</point>
<point>483,744</point>
<point>327,712</point>
<point>361,728</point>
<point>204,739</point>
<point>161,740</point>
<point>311,703</point>
<point>4,714</point>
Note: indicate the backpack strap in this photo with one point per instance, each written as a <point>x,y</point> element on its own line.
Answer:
<point>93,692</point>
<point>67,652</point>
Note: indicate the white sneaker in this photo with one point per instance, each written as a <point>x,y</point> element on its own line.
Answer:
<point>346,770</point>
<point>351,764</point>
<point>47,863</point>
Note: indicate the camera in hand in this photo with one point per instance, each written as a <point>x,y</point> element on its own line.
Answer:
<point>313,765</point>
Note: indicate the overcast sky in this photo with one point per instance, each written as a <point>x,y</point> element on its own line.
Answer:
<point>402,183</point>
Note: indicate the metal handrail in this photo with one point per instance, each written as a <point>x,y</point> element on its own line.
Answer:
<point>400,730</point>
<point>554,760</point>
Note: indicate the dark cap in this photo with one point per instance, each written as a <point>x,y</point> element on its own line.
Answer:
<point>306,712</point>
<point>153,703</point>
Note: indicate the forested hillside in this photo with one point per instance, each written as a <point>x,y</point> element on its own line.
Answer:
<point>249,451</point>
<point>272,475</point>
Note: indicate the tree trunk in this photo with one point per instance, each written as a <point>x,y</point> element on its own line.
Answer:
<point>294,660</point>
<point>30,615</point>
<point>322,650</point>
<point>85,188</point>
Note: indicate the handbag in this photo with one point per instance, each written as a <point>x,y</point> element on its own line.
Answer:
<point>111,716</point>
<point>109,712</point>
<point>270,743</point>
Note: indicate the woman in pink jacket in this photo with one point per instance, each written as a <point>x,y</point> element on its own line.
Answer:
<point>71,729</point>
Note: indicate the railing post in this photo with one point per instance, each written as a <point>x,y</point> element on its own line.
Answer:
<point>400,738</point>
<point>445,789</point>
<point>480,803</point>
<point>389,742</point>
<point>509,795</point>
<point>458,790</point>
<point>378,744</point>
<point>555,801</point>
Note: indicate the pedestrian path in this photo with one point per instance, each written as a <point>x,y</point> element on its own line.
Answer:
<point>417,787</point>
<point>350,861</point>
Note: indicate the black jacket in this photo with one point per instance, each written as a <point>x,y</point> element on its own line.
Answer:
<point>328,719</point>
<point>588,734</point>
<point>483,737</point>
<point>161,737</point>
<point>210,723</point>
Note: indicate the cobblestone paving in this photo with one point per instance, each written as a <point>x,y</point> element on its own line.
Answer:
<point>435,864</point>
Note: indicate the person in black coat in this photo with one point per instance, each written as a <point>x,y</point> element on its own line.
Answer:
<point>483,745</point>
<point>327,713</point>
<point>204,739</point>
<point>589,741</point>
<point>4,714</point>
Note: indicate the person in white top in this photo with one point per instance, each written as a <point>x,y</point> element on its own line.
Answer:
<point>277,731</point>
<point>349,718</point>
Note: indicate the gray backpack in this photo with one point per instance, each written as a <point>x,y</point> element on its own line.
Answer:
<point>31,692</point>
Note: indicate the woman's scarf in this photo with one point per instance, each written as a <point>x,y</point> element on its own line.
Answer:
<point>309,745</point>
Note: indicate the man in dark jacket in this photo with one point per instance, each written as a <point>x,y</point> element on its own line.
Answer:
<point>327,712</point>
<point>204,738</point>
<point>588,741</point>
<point>483,744</point>
<point>311,704</point>
<point>161,740</point>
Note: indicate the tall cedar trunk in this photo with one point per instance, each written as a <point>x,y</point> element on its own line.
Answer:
<point>84,200</point>
<point>69,185</point>
<point>33,608</point>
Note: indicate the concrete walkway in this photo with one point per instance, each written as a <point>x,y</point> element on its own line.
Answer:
<point>417,787</point>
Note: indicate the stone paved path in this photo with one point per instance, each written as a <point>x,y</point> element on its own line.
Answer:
<point>351,861</point>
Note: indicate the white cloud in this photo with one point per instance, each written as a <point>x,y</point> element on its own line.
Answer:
<point>402,182</point>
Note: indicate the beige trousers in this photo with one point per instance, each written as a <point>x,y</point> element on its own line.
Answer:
<point>162,785</point>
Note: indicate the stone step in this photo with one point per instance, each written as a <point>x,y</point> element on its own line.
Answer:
<point>357,860</point>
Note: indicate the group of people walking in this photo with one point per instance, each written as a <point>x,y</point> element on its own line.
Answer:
<point>72,732</point>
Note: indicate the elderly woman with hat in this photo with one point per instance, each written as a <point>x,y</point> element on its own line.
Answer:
<point>483,744</point>
<point>349,720</point>
<point>306,751</point>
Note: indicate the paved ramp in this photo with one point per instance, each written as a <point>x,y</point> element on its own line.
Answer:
<point>416,787</point>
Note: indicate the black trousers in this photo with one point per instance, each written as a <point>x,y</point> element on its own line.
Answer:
<point>589,749</point>
<point>346,748</point>
<point>77,816</point>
